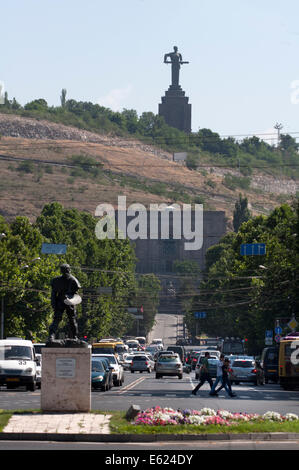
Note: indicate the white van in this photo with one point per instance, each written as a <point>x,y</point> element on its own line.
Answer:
<point>17,363</point>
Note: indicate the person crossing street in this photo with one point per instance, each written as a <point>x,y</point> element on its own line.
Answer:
<point>204,374</point>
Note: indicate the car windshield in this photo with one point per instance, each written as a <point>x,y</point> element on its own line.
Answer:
<point>168,359</point>
<point>97,366</point>
<point>244,364</point>
<point>9,352</point>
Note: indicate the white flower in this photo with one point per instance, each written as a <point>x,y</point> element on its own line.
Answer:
<point>291,417</point>
<point>272,416</point>
<point>196,419</point>
<point>208,412</point>
<point>225,414</point>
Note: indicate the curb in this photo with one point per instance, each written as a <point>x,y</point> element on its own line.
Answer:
<point>14,436</point>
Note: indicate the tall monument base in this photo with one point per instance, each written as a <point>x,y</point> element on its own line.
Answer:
<point>175,109</point>
<point>66,379</point>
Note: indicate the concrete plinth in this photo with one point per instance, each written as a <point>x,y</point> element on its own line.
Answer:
<point>66,379</point>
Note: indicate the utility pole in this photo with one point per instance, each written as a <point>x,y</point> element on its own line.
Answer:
<point>278,127</point>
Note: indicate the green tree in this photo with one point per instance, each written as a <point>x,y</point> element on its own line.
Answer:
<point>241,212</point>
<point>63,97</point>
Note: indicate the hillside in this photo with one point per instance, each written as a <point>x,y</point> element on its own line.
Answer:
<point>41,162</point>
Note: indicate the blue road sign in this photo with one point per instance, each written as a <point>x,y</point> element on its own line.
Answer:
<point>269,333</point>
<point>53,249</point>
<point>200,314</point>
<point>278,330</point>
<point>252,249</point>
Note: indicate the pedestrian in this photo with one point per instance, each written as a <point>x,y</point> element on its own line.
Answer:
<point>204,374</point>
<point>225,380</point>
<point>259,373</point>
<point>218,375</point>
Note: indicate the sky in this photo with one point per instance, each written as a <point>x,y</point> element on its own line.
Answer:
<point>242,76</point>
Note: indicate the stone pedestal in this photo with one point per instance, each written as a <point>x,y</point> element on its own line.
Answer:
<point>175,109</point>
<point>66,379</point>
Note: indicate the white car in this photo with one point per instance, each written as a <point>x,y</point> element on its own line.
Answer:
<point>118,375</point>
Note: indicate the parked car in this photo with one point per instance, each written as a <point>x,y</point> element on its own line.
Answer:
<point>212,366</point>
<point>118,376</point>
<point>141,363</point>
<point>169,364</point>
<point>243,370</point>
<point>269,363</point>
<point>101,375</point>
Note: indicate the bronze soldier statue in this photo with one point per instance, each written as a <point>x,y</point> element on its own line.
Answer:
<point>63,298</point>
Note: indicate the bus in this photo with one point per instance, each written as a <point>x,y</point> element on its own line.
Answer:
<point>232,346</point>
<point>103,348</point>
<point>288,362</point>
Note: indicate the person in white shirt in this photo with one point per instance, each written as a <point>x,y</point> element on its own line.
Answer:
<point>218,375</point>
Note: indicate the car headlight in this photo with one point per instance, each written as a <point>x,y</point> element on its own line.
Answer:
<point>99,377</point>
<point>28,371</point>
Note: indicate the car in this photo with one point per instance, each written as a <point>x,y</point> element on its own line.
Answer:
<point>213,352</point>
<point>101,374</point>
<point>169,364</point>
<point>180,350</point>
<point>193,359</point>
<point>213,360</point>
<point>152,349</point>
<point>158,342</point>
<point>118,376</point>
<point>18,364</point>
<point>243,370</point>
<point>141,363</point>
<point>127,361</point>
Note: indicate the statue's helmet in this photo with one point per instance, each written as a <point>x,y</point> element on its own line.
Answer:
<point>65,268</point>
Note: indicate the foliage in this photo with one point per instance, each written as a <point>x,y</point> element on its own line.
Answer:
<point>240,297</point>
<point>97,263</point>
<point>241,212</point>
<point>251,152</point>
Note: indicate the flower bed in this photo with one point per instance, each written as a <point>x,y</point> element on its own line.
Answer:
<point>158,416</point>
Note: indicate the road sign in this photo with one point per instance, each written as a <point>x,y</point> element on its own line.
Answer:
<point>268,341</point>
<point>53,248</point>
<point>277,338</point>
<point>249,249</point>
<point>278,330</point>
<point>269,333</point>
<point>200,314</point>
<point>292,323</point>
<point>132,310</point>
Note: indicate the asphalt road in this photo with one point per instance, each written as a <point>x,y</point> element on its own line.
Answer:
<point>147,391</point>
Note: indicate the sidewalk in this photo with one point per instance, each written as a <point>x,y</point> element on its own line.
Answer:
<point>90,427</point>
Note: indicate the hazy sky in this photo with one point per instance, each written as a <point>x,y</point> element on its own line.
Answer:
<point>243,54</point>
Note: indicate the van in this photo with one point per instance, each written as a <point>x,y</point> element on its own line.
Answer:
<point>269,363</point>
<point>18,364</point>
